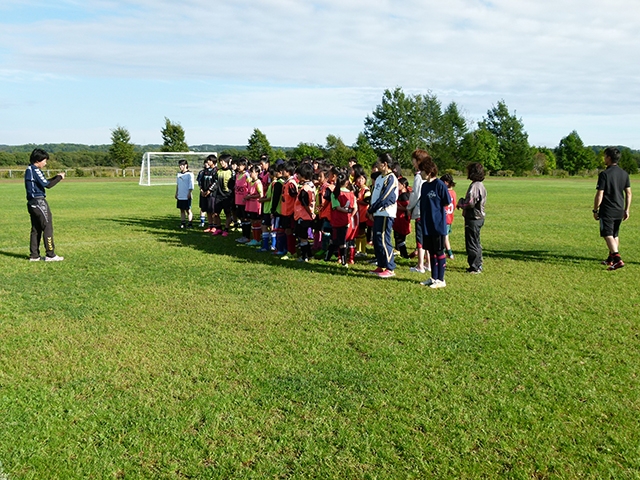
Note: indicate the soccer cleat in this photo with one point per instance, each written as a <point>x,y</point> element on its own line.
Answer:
<point>35,259</point>
<point>361,255</point>
<point>616,265</point>
<point>438,284</point>
<point>303,260</point>
<point>607,262</point>
<point>216,231</point>
<point>252,243</point>
<point>242,240</point>
<point>377,271</point>
<point>386,274</point>
<point>417,270</point>
<point>209,230</point>
<point>56,258</point>
<point>225,233</point>
<point>450,256</point>
<point>474,271</point>
<point>182,225</point>
<point>428,282</point>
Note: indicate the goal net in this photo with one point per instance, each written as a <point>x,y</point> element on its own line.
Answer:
<point>161,168</point>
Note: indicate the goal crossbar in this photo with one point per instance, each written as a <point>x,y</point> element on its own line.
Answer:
<point>160,168</point>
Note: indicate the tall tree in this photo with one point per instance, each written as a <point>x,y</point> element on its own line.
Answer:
<point>573,156</point>
<point>430,120</point>
<point>365,154</point>
<point>395,125</point>
<point>337,152</point>
<point>628,162</point>
<point>544,160</point>
<point>452,129</point>
<point>306,150</point>
<point>121,151</point>
<point>258,145</point>
<point>481,146</point>
<point>513,141</point>
<point>173,137</point>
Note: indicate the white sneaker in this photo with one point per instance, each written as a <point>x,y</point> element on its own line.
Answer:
<point>57,258</point>
<point>438,284</point>
<point>417,270</point>
<point>428,282</point>
<point>37,259</point>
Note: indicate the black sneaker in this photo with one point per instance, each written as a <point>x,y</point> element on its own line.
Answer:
<point>616,265</point>
<point>608,261</point>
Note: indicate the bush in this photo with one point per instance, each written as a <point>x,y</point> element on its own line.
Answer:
<point>560,173</point>
<point>587,172</point>
<point>79,172</point>
<point>505,173</point>
<point>453,172</point>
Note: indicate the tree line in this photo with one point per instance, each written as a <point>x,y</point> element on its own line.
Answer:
<point>398,125</point>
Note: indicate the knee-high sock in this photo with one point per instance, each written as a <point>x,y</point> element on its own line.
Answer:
<point>291,243</point>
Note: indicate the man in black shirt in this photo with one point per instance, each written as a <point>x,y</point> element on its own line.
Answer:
<point>611,205</point>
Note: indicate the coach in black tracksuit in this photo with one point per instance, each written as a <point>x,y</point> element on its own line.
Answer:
<point>41,221</point>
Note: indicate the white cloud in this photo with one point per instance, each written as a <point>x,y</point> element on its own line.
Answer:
<point>564,57</point>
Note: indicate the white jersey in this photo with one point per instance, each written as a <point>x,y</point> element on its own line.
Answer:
<point>185,183</point>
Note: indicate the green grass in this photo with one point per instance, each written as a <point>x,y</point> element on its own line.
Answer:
<point>156,353</point>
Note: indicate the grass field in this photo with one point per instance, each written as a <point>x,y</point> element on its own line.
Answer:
<point>152,352</point>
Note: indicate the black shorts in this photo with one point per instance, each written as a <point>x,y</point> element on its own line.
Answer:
<point>286,221</point>
<point>302,228</point>
<point>419,236</point>
<point>207,203</point>
<point>222,205</point>
<point>266,219</point>
<point>339,235</point>
<point>609,227</point>
<point>253,216</point>
<point>434,244</point>
<point>240,213</point>
<point>183,204</point>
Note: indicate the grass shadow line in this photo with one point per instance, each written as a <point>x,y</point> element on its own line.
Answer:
<point>165,229</point>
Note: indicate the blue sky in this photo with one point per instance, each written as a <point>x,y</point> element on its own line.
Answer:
<point>72,70</point>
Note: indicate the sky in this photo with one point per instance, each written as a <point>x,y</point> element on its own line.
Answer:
<point>73,70</point>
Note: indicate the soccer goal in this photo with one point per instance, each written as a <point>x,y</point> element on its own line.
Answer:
<point>161,168</point>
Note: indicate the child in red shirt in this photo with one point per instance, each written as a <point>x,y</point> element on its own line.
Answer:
<point>402,224</point>
<point>448,181</point>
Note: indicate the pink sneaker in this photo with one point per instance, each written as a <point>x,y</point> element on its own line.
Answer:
<point>216,231</point>
<point>208,230</point>
<point>377,271</point>
<point>386,274</point>
<point>225,233</point>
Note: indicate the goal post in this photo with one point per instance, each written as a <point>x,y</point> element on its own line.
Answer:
<point>161,168</point>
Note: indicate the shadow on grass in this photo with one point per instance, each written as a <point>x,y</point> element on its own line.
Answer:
<point>21,256</point>
<point>544,256</point>
<point>166,229</point>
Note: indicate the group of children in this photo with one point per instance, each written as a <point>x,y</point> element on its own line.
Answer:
<point>320,210</point>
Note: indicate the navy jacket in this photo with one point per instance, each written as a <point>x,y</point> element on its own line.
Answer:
<point>35,183</point>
